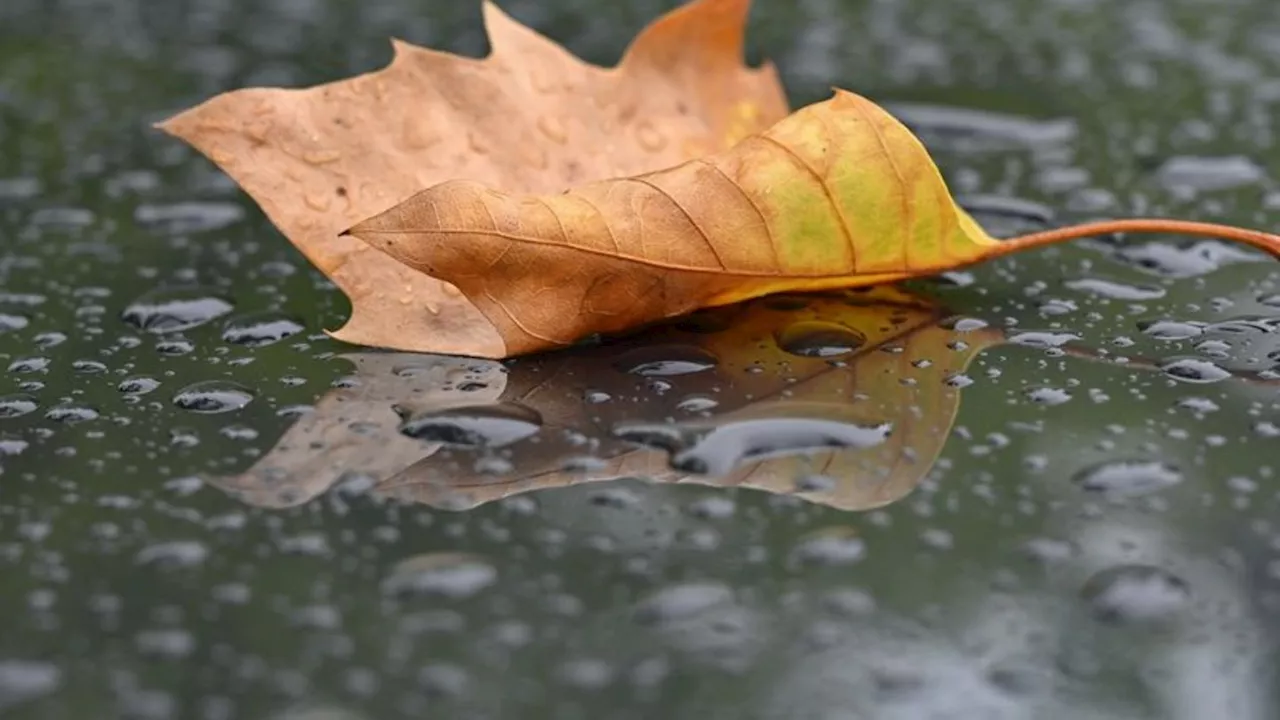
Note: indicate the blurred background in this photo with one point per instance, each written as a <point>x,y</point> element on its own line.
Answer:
<point>1097,538</point>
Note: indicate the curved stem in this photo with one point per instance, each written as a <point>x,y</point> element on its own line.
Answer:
<point>1263,241</point>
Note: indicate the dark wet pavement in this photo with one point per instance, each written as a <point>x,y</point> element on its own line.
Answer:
<point>1040,488</point>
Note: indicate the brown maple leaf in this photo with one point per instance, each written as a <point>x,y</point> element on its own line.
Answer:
<point>530,117</point>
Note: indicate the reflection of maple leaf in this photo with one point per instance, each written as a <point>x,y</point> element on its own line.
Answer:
<point>528,118</point>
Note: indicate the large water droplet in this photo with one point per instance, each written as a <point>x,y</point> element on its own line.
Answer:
<point>260,330</point>
<point>1171,329</point>
<point>475,426</point>
<point>1116,290</point>
<point>1128,477</point>
<point>451,575</point>
<point>162,311</point>
<point>1207,174</point>
<point>819,338</point>
<point>1136,593</point>
<point>12,406</point>
<point>213,396</point>
<point>1194,370</point>
<point>680,602</point>
<point>663,360</point>
<point>717,449</point>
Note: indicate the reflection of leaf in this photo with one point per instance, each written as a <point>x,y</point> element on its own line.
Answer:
<point>556,200</point>
<point>822,417</point>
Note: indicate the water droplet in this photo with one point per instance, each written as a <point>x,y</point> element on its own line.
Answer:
<point>1171,329</point>
<point>260,330</point>
<point>452,575</point>
<point>88,367</point>
<point>1128,477</point>
<point>12,406</point>
<point>1042,339</point>
<point>163,311</point>
<point>818,338</point>
<point>213,396</point>
<point>1208,174</point>
<point>1116,290</point>
<point>140,385</point>
<point>29,365</point>
<point>25,680</point>
<point>71,413</point>
<point>189,217</point>
<point>830,546</point>
<point>1048,396</point>
<point>681,602</point>
<point>663,360</point>
<point>1194,370</point>
<point>12,322</point>
<point>1136,593</point>
<point>476,426</point>
<point>179,553</point>
<point>697,403</point>
<point>717,449</point>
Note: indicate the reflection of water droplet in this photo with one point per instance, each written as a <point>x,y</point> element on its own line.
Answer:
<point>165,311</point>
<point>662,360</point>
<point>718,449</point>
<point>1171,329</point>
<point>452,575</point>
<point>1136,593</point>
<point>475,426</point>
<point>213,396</point>
<point>12,406</point>
<point>1194,370</point>
<point>1128,477</point>
<point>819,338</point>
<point>259,330</point>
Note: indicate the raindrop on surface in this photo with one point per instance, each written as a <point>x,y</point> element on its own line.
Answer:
<point>163,311</point>
<point>179,553</point>
<point>818,338</point>
<point>1041,339</point>
<point>140,385</point>
<point>697,403</point>
<point>1128,477</point>
<point>213,396</point>
<point>24,680</point>
<point>830,546</point>
<point>1194,370</point>
<point>680,602</point>
<point>717,450</point>
<point>71,413</point>
<point>451,575</point>
<point>1208,174</point>
<point>1116,290</point>
<point>1136,593</point>
<point>29,364</point>
<point>189,217</point>
<point>1171,329</point>
<point>12,406</point>
<point>12,322</point>
<point>665,360</point>
<point>260,330</point>
<point>476,426</point>
<point>1048,396</point>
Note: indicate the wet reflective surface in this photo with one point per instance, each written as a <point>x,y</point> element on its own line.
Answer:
<point>1039,488</point>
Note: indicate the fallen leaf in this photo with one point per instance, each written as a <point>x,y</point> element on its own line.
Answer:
<point>528,118</point>
<point>766,390</point>
<point>526,201</point>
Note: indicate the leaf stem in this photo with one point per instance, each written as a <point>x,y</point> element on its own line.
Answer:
<point>1266,242</point>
